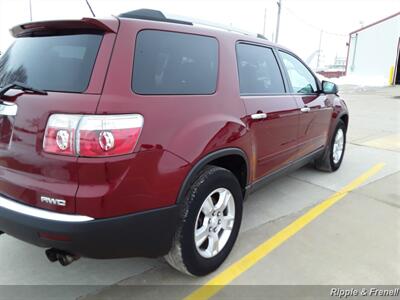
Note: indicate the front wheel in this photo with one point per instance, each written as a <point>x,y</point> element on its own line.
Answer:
<point>333,156</point>
<point>210,220</point>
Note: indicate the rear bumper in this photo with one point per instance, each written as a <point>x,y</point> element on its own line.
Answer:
<point>145,234</point>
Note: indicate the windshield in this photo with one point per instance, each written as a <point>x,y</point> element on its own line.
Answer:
<point>61,63</point>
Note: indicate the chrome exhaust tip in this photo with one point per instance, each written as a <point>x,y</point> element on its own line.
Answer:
<point>63,257</point>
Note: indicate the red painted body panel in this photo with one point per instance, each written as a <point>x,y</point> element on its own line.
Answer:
<point>314,126</point>
<point>121,185</point>
<point>178,132</point>
<point>26,172</point>
<point>100,69</point>
<point>272,146</point>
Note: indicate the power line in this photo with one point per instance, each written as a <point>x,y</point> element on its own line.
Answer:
<point>312,25</point>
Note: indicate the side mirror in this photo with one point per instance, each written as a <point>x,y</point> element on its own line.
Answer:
<point>329,87</point>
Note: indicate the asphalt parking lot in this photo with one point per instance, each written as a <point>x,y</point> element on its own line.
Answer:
<point>356,241</point>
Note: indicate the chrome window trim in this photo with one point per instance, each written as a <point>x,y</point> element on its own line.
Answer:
<point>41,213</point>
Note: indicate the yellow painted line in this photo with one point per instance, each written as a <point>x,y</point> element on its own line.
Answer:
<point>217,283</point>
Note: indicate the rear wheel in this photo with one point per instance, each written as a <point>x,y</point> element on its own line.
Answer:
<point>210,220</point>
<point>332,158</point>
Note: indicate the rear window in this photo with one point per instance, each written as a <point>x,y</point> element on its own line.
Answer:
<point>168,63</point>
<point>62,63</point>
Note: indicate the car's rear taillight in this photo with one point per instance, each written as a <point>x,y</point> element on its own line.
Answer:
<point>59,136</point>
<point>110,135</point>
<point>92,136</point>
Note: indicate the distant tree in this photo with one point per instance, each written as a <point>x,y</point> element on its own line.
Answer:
<point>9,75</point>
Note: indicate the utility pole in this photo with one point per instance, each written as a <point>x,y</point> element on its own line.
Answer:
<point>265,21</point>
<point>278,21</point>
<point>30,10</point>
<point>319,48</point>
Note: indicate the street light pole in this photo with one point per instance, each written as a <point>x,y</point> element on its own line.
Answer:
<point>319,48</point>
<point>278,21</point>
<point>30,10</point>
<point>265,21</point>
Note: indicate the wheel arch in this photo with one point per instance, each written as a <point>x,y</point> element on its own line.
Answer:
<point>345,118</point>
<point>233,159</point>
<point>341,115</point>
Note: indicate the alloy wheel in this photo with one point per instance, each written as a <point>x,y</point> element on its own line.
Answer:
<point>214,222</point>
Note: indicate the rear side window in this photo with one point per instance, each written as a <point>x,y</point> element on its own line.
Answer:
<point>258,70</point>
<point>62,63</point>
<point>169,63</point>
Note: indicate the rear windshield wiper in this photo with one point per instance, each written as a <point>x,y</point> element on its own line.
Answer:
<point>21,86</point>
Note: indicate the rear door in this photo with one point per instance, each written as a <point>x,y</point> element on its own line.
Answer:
<point>60,61</point>
<point>314,106</point>
<point>272,114</point>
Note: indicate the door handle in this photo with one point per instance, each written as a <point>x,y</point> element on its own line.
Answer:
<point>305,109</point>
<point>259,116</point>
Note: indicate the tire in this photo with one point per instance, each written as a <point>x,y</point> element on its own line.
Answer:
<point>330,162</point>
<point>211,184</point>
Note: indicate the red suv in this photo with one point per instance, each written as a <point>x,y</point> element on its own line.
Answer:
<point>142,135</point>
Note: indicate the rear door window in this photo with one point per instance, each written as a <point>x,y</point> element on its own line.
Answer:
<point>170,63</point>
<point>62,63</point>
<point>259,72</point>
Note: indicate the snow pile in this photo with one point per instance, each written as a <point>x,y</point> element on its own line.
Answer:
<point>322,77</point>
<point>375,81</point>
<point>371,81</point>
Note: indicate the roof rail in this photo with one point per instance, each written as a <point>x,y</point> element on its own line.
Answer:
<point>156,15</point>
<point>217,26</point>
<point>152,15</point>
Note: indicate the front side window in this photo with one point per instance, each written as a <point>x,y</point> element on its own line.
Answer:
<point>170,63</point>
<point>258,70</point>
<point>62,63</point>
<point>303,82</point>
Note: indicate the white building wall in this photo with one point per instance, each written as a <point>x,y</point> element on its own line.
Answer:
<point>373,51</point>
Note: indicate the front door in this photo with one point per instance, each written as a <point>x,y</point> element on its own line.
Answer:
<point>315,107</point>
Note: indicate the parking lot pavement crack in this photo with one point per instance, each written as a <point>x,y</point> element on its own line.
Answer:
<point>312,183</point>
<point>361,144</point>
<point>306,208</point>
<point>391,204</point>
<point>386,202</point>
<point>280,218</point>
<point>297,212</point>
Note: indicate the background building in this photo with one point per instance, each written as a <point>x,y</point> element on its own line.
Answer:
<point>373,51</point>
<point>336,70</point>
